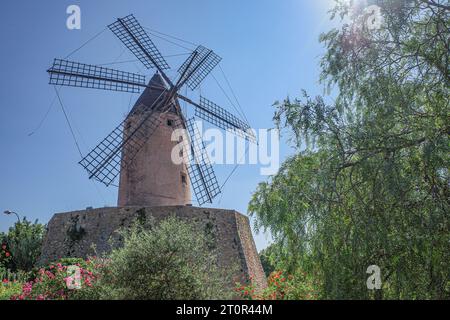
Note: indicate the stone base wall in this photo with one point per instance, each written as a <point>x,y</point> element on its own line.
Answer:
<point>74,234</point>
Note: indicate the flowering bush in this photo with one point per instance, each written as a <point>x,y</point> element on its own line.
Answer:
<point>281,286</point>
<point>5,257</point>
<point>58,281</point>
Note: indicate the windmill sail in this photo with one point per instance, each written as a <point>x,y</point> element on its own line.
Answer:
<point>203,62</point>
<point>201,172</point>
<point>218,116</point>
<point>134,37</point>
<point>75,74</point>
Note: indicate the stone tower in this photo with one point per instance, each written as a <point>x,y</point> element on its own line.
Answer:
<point>152,179</point>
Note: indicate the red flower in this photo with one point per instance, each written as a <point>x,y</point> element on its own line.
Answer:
<point>5,281</point>
<point>7,254</point>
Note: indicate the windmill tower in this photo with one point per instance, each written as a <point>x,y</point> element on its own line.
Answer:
<point>152,178</point>
<point>138,153</point>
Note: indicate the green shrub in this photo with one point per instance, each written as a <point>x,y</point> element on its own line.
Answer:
<point>21,246</point>
<point>171,260</point>
<point>269,258</point>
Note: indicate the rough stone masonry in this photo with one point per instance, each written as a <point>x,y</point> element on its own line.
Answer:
<point>73,234</point>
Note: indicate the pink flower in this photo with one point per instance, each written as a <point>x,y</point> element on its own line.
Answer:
<point>27,287</point>
<point>5,281</point>
<point>87,281</point>
<point>4,246</point>
<point>69,281</point>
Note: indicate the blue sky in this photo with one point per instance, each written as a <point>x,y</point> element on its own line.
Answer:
<point>269,48</point>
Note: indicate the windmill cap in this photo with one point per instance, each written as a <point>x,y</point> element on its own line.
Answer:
<point>151,93</point>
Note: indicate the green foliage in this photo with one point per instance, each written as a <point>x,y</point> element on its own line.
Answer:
<point>372,184</point>
<point>171,260</point>
<point>23,243</point>
<point>9,289</point>
<point>268,257</point>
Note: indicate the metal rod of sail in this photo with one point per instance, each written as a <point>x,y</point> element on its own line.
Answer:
<point>193,71</point>
<point>177,85</point>
<point>166,78</point>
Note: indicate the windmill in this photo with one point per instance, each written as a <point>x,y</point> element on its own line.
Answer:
<point>139,148</point>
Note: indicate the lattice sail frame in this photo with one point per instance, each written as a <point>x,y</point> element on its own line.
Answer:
<point>75,74</point>
<point>220,117</point>
<point>204,61</point>
<point>201,173</point>
<point>134,37</point>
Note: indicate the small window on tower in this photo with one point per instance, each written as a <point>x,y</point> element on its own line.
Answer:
<point>169,122</point>
<point>183,178</point>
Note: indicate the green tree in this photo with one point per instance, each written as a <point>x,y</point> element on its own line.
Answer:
<point>370,182</point>
<point>24,241</point>
<point>171,260</point>
<point>268,257</point>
